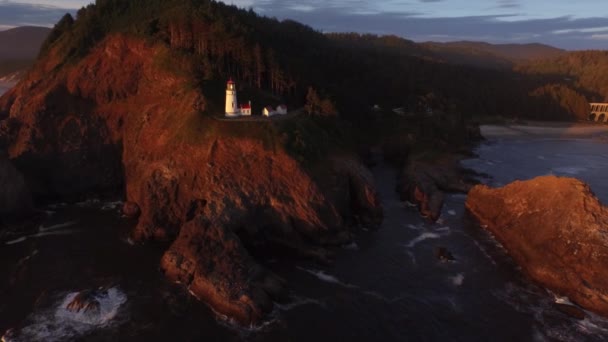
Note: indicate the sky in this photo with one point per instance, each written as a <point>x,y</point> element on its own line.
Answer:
<point>569,24</point>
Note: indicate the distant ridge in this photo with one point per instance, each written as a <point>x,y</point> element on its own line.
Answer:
<point>475,53</point>
<point>19,48</point>
<point>22,42</point>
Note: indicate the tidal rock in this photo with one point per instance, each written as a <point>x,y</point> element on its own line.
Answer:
<point>85,301</point>
<point>131,210</point>
<point>425,183</point>
<point>443,254</point>
<point>210,261</point>
<point>555,229</point>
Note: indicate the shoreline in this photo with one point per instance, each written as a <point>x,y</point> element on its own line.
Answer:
<point>539,129</point>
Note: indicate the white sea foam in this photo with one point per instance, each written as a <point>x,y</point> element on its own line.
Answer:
<point>422,237</point>
<point>414,227</point>
<point>328,278</point>
<point>351,247</point>
<point>458,279</point>
<point>569,170</point>
<point>56,232</point>
<point>16,241</point>
<point>59,324</point>
<point>452,212</point>
<point>410,204</point>
<point>111,205</point>
<point>57,226</point>
<point>443,229</point>
<point>89,203</point>
<point>299,301</point>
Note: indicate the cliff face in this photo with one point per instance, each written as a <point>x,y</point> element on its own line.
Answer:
<point>555,229</point>
<point>118,117</point>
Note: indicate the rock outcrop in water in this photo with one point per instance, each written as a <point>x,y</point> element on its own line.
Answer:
<point>425,183</point>
<point>555,229</point>
<point>213,191</point>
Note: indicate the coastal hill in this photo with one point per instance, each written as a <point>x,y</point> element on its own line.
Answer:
<point>493,55</point>
<point>19,48</point>
<point>124,99</point>
<point>22,42</point>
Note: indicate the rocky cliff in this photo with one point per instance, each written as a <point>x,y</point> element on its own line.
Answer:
<point>555,229</point>
<point>119,121</point>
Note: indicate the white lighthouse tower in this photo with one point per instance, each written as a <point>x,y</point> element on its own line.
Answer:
<point>232,106</point>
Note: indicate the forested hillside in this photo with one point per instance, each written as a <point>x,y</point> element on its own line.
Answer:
<point>282,59</point>
<point>585,70</point>
<point>492,55</point>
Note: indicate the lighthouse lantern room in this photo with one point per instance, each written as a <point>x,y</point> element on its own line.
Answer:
<point>232,106</point>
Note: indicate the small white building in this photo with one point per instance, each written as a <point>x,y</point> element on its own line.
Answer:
<point>246,109</point>
<point>282,109</point>
<point>269,111</point>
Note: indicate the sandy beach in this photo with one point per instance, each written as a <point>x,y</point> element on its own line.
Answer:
<point>545,130</point>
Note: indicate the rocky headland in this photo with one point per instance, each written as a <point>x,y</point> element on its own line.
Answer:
<point>93,128</point>
<point>554,228</point>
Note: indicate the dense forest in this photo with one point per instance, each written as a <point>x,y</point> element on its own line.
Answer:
<point>284,60</point>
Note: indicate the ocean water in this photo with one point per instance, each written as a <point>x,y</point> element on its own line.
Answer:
<point>386,286</point>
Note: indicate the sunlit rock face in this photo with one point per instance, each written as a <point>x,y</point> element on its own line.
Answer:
<point>555,229</point>
<point>89,127</point>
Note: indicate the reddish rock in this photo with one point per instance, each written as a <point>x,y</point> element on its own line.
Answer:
<point>355,192</point>
<point>556,230</point>
<point>211,262</point>
<point>425,183</point>
<point>131,210</point>
<point>85,301</point>
<point>88,126</point>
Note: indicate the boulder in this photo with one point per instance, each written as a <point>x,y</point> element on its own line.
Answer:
<point>131,210</point>
<point>444,255</point>
<point>555,229</point>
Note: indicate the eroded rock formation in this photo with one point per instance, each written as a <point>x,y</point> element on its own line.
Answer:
<point>93,127</point>
<point>425,182</point>
<point>555,229</point>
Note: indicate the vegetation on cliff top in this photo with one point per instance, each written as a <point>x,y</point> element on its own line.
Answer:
<point>285,58</point>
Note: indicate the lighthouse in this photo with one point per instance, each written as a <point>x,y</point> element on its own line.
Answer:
<point>232,106</point>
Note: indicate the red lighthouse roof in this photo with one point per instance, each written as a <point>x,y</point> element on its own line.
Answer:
<point>230,81</point>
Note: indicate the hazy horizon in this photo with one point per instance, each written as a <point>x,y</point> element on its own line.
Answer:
<point>560,23</point>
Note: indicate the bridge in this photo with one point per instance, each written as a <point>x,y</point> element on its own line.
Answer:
<point>599,112</point>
